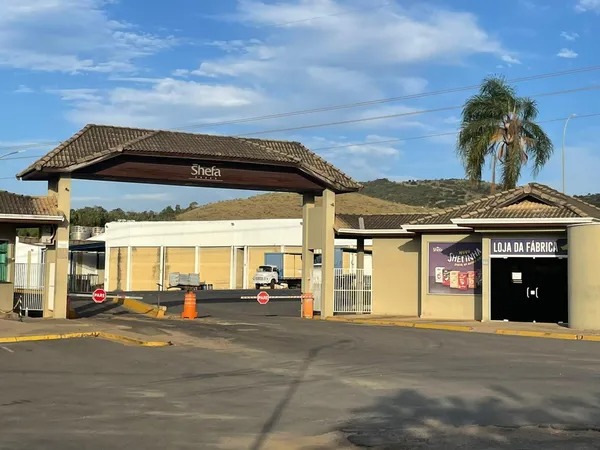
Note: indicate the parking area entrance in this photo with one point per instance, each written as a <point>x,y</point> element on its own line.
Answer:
<point>108,153</point>
<point>529,289</point>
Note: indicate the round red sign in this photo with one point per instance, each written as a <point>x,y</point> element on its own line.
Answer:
<point>99,296</point>
<point>262,298</point>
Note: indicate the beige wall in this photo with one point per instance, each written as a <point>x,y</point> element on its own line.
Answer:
<point>178,259</point>
<point>117,272</point>
<point>239,268</point>
<point>584,282</point>
<point>396,276</point>
<point>145,268</point>
<point>444,306</point>
<point>215,266</point>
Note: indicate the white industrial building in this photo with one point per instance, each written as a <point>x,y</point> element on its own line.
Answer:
<point>141,255</point>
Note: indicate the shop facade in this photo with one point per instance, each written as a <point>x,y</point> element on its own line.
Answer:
<point>504,257</point>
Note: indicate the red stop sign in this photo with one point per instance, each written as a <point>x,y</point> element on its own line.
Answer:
<point>262,298</point>
<point>99,296</point>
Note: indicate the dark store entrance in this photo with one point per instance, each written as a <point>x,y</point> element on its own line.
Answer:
<point>529,289</point>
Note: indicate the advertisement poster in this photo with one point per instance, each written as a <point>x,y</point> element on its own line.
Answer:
<point>455,268</point>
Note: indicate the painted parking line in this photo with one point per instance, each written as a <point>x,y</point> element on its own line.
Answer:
<point>7,349</point>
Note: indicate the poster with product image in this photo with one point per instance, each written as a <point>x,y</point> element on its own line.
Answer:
<point>455,268</point>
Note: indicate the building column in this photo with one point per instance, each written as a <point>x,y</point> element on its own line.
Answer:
<point>360,253</point>
<point>328,254</point>
<point>57,255</point>
<point>308,254</point>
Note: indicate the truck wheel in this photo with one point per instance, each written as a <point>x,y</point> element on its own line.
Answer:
<point>272,284</point>
<point>257,286</point>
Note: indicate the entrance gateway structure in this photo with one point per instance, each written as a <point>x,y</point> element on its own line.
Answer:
<point>108,153</point>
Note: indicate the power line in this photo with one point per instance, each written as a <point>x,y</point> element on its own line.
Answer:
<point>22,157</point>
<point>346,106</point>
<point>382,100</point>
<point>427,136</point>
<point>404,114</point>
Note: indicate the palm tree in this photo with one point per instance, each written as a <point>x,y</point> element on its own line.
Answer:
<point>498,125</point>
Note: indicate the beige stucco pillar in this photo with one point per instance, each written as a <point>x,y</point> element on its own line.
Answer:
<point>57,255</point>
<point>308,254</point>
<point>360,253</point>
<point>328,251</point>
<point>584,283</point>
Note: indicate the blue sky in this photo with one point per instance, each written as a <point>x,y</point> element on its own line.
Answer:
<point>169,65</point>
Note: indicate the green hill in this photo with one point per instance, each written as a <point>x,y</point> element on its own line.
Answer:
<point>437,193</point>
<point>288,206</point>
<point>427,193</point>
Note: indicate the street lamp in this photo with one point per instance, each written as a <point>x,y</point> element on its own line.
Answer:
<point>563,150</point>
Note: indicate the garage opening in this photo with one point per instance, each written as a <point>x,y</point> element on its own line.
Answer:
<point>529,289</point>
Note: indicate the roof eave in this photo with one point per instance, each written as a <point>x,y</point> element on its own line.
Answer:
<point>30,218</point>
<point>436,227</point>
<point>373,232</point>
<point>524,221</point>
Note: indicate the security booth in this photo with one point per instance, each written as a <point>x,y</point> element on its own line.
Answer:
<point>135,155</point>
<point>26,280</point>
<point>503,257</point>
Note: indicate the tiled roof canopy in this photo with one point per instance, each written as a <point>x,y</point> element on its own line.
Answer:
<point>375,221</point>
<point>22,205</point>
<point>98,142</point>
<point>532,201</point>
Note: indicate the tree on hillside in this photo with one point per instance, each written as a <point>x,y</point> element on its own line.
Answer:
<point>500,126</point>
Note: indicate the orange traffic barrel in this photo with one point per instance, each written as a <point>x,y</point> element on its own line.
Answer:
<point>189,306</point>
<point>307,306</point>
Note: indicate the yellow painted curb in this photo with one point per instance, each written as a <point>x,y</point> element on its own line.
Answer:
<point>139,307</point>
<point>98,334</point>
<point>546,334</point>
<point>394,323</point>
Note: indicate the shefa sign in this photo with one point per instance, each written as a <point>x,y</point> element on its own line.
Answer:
<point>529,247</point>
<point>200,172</point>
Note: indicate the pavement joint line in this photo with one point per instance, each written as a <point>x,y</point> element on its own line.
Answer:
<point>467,329</point>
<point>77,335</point>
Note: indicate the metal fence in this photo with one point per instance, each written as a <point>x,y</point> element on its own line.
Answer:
<point>82,284</point>
<point>29,285</point>
<point>352,291</point>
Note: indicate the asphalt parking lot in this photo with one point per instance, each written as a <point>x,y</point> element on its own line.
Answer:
<point>279,382</point>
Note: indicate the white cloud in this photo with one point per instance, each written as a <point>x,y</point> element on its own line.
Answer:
<point>588,5</point>
<point>510,59</point>
<point>85,95</point>
<point>22,89</point>
<point>569,36</point>
<point>567,53</point>
<point>70,36</point>
<point>166,103</point>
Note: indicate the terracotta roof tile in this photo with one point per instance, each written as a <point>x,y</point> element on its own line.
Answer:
<point>526,202</point>
<point>25,205</point>
<point>97,141</point>
<point>375,221</point>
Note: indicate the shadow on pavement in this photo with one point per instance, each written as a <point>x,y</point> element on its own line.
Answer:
<point>410,419</point>
<point>275,416</point>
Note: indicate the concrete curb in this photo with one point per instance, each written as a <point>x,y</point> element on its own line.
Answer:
<point>139,307</point>
<point>97,334</point>
<point>395,323</point>
<point>466,328</point>
<point>550,335</point>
